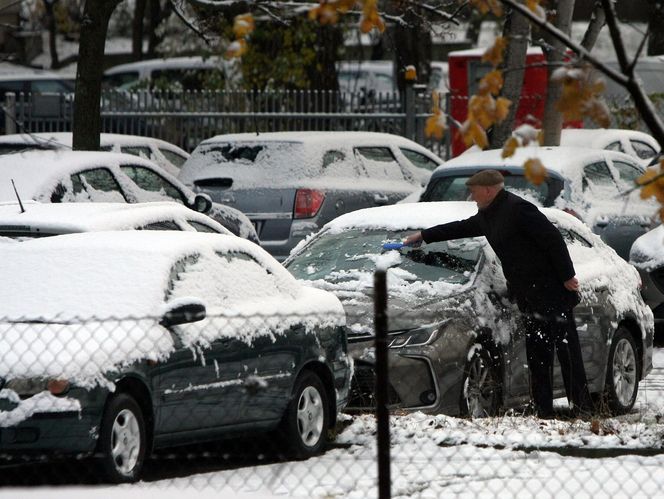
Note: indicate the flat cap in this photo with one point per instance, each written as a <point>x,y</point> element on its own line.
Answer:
<point>486,178</point>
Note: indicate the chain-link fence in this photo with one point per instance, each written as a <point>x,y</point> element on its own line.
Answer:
<point>283,406</point>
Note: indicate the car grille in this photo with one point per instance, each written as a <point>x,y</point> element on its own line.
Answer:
<point>363,389</point>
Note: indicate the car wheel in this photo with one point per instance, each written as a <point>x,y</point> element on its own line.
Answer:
<point>307,417</point>
<point>622,373</point>
<point>122,440</point>
<point>481,390</point>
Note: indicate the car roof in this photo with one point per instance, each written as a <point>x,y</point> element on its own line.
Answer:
<point>417,216</point>
<point>15,72</point>
<point>562,160</point>
<point>194,62</point>
<point>65,139</point>
<point>60,218</point>
<point>601,137</point>
<point>317,138</point>
<point>34,171</point>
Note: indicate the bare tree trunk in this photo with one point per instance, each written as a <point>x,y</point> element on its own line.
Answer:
<point>656,28</point>
<point>155,19</point>
<point>49,5</point>
<point>87,119</point>
<point>516,31</point>
<point>552,122</point>
<point>137,29</point>
<point>597,22</point>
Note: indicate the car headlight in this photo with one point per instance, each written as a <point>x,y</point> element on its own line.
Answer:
<point>415,337</point>
<point>27,387</point>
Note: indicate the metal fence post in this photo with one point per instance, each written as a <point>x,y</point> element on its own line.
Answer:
<point>10,112</point>
<point>382,414</point>
<point>409,106</point>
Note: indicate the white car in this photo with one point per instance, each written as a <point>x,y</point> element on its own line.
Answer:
<point>58,176</point>
<point>168,156</point>
<point>30,219</point>
<point>589,183</point>
<point>641,146</point>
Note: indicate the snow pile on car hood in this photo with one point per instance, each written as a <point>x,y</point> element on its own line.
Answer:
<point>647,252</point>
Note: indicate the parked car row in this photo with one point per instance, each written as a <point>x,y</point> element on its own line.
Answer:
<point>148,378</point>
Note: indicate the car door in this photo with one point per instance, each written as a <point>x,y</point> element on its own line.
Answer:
<point>345,180</point>
<point>201,384</point>
<point>386,183</point>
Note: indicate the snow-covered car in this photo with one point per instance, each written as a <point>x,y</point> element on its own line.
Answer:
<point>456,345</point>
<point>58,176</point>
<point>30,220</point>
<point>592,184</point>
<point>639,145</point>
<point>291,183</point>
<point>647,255</point>
<point>117,343</point>
<point>168,156</point>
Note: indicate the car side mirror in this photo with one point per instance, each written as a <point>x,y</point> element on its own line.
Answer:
<point>202,203</point>
<point>183,312</point>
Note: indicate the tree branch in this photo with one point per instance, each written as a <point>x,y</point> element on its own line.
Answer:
<point>639,50</point>
<point>189,24</point>
<point>578,49</point>
<point>597,22</point>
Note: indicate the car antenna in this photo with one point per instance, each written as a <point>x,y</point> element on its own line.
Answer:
<point>18,197</point>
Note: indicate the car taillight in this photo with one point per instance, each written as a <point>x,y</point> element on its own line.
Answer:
<point>308,202</point>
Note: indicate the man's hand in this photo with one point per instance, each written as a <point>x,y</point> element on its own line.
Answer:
<point>414,239</point>
<point>572,284</point>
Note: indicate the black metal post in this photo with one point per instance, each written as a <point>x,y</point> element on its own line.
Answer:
<point>382,414</point>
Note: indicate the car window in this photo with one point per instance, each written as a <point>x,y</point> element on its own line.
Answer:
<point>57,86</point>
<point>11,86</point>
<point>339,257</point>
<point>338,164</point>
<point>615,146</point>
<point>643,150</point>
<point>597,175</point>
<point>163,225</point>
<point>119,79</point>
<point>453,188</point>
<point>97,184</point>
<point>201,227</point>
<point>217,276</point>
<point>151,181</point>
<point>173,157</point>
<point>627,173</point>
<point>419,159</point>
<point>140,151</point>
<point>380,163</point>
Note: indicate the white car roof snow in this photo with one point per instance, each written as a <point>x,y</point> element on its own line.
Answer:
<point>602,137</point>
<point>89,217</point>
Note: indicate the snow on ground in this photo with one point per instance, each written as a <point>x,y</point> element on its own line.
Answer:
<point>439,456</point>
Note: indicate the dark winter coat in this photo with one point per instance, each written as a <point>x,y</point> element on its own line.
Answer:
<point>531,250</point>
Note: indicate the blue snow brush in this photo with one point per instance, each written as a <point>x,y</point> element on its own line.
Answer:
<point>393,246</point>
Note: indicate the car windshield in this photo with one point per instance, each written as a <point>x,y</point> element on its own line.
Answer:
<point>453,188</point>
<point>337,257</point>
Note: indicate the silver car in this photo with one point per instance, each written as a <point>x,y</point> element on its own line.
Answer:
<point>456,344</point>
<point>290,184</point>
<point>588,183</point>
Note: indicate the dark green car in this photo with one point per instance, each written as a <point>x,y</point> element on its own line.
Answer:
<point>118,343</point>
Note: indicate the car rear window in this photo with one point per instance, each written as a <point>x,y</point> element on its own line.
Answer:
<point>453,188</point>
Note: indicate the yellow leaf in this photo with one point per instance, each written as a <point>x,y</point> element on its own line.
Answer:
<point>411,73</point>
<point>494,54</point>
<point>236,49</point>
<point>370,17</point>
<point>509,148</point>
<point>435,125</point>
<point>532,5</point>
<point>491,83</point>
<point>535,172</point>
<point>502,108</point>
<point>481,109</point>
<point>473,133</point>
<point>243,25</point>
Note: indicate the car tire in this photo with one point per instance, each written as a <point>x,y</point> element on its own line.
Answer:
<point>481,388</point>
<point>122,440</point>
<point>306,421</point>
<point>622,372</point>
